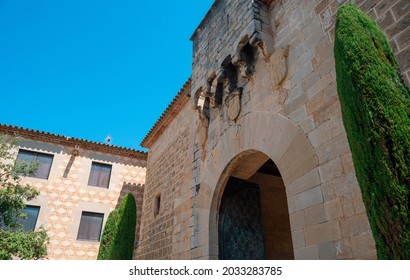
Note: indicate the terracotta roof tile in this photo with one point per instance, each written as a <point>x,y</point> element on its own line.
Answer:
<point>70,141</point>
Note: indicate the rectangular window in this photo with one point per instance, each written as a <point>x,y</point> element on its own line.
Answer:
<point>100,175</point>
<point>44,161</point>
<point>157,204</point>
<point>90,226</point>
<point>29,224</point>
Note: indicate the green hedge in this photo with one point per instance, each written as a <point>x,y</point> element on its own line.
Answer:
<point>376,114</point>
<point>117,241</point>
<point>107,236</point>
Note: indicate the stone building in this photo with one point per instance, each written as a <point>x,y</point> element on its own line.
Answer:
<point>80,183</point>
<point>251,159</point>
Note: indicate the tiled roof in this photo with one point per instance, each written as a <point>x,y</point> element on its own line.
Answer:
<point>176,105</point>
<point>70,141</point>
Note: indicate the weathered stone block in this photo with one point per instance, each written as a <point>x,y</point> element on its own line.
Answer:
<point>305,199</point>
<point>328,251</point>
<point>363,246</point>
<point>298,239</point>
<point>358,203</point>
<point>333,149</point>
<point>328,191</point>
<point>403,40</point>
<point>403,58</point>
<point>297,220</point>
<point>319,85</point>
<point>331,170</point>
<point>354,225</point>
<point>384,6</point>
<point>386,20</point>
<point>346,184</point>
<point>307,253</point>
<point>290,165</point>
<point>325,232</point>
<point>333,209</point>
<point>347,205</point>
<point>315,215</point>
<point>307,181</point>
<point>398,27</point>
<point>401,9</point>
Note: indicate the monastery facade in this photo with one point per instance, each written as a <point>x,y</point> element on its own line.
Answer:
<point>249,161</point>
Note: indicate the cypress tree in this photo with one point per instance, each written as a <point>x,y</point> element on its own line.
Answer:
<point>117,242</point>
<point>376,114</point>
<point>107,237</point>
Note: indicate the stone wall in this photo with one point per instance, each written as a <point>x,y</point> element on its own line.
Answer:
<point>217,36</point>
<point>65,194</point>
<point>391,15</point>
<point>165,234</point>
<point>294,78</point>
<point>263,86</point>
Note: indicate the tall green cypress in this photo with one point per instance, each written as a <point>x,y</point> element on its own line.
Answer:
<point>108,236</point>
<point>376,114</point>
<point>117,242</point>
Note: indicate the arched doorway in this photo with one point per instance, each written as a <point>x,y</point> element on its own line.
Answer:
<point>242,145</point>
<point>253,216</point>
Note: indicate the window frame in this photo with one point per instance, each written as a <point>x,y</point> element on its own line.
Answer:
<point>92,214</point>
<point>23,221</point>
<point>34,155</point>
<point>99,165</point>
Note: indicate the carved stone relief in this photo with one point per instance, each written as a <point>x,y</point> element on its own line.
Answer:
<point>279,63</point>
<point>201,105</point>
<point>216,89</point>
<point>246,70</point>
<point>233,104</point>
<point>243,60</point>
<point>264,44</point>
<point>195,99</point>
<point>202,133</point>
<point>225,86</point>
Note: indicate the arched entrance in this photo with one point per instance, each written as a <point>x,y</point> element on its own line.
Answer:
<point>285,144</point>
<point>253,216</point>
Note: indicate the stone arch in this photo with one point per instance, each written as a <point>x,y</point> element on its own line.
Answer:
<point>284,143</point>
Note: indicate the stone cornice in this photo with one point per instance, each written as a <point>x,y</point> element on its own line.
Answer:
<point>176,105</point>
<point>66,141</point>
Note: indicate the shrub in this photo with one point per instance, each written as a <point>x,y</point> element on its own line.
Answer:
<point>117,242</point>
<point>376,114</point>
<point>107,236</point>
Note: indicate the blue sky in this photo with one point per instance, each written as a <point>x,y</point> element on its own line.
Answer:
<point>92,68</point>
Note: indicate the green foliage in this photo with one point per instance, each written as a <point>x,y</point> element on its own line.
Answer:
<point>376,114</point>
<point>23,245</point>
<point>117,242</point>
<point>108,236</point>
<point>14,243</point>
<point>12,194</point>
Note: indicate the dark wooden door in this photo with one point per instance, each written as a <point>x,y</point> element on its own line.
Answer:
<point>240,226</point>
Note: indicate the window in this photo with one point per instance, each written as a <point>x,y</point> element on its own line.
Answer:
<point>157,204</point>
<point>44,160</point>
<point>29,224</point>
<point>90,226</point>
<point>100,175</point>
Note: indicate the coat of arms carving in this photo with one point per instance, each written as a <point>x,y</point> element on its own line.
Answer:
<point>233,104</point>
